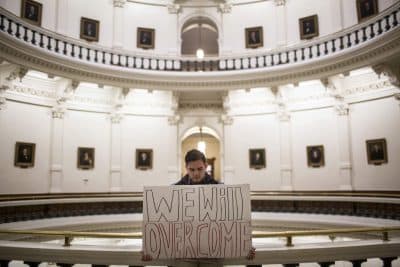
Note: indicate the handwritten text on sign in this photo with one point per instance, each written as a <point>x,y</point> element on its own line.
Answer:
<point>196,221</point>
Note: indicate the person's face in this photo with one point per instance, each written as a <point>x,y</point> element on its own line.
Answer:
<point>258,156</point>
<point>196,170</point>
<point>86,155</point>
<point>144,156</point>
<point>25,152</point>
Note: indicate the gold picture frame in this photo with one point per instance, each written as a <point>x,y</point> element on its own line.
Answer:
<point>315,156</point>
<point>254,37</point>
<point>31,11</point>
<point>24,155</point>
<point>86,158</point>
<point>144,159</point>
<point>366,9</point>
<point>89,29</point>
<point>145,38</point>
<point>377,151</point>
<point>257,158</point>
<point>309,27</point>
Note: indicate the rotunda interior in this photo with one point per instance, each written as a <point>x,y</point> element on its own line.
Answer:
<point>299,99</point>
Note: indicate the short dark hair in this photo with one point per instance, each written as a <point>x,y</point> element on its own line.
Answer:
<point>193,155</point>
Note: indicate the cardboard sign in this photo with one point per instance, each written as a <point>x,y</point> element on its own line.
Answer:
<point>196,221</point>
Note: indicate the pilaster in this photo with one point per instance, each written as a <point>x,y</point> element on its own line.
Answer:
<point>283,115</point>
<point>118,21</point>
<point>57,150</point>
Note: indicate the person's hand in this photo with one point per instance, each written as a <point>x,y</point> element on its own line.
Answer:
<point>146,257</point>
<point>252,254</point>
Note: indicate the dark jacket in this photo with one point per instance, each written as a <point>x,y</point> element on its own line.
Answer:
<point>206,180</point>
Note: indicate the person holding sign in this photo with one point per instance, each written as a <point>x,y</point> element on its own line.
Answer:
<point>159,211</point>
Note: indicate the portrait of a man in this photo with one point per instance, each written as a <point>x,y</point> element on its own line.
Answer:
<point>366,9</point>
<point>89,29</point>
<point>145,38</point>
<point>377,151</point>
<point>85,158</point>
<point>31,11</point>
<point>315,156</point>
<point>24,155</point>
<point>144,159</point>
<point>257,158</point>
<point>254,37</point>
<point>308,27</point>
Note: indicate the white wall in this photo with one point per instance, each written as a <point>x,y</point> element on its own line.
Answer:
<point>21,122</point>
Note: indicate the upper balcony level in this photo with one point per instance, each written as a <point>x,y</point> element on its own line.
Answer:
<point>369,42</point>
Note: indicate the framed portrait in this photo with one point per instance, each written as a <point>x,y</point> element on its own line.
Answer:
<point>377,151</point>
<point>144,159</point>
<point>31,11</point>
<point>85,158</point>
<point>257,158</point>
<point>24,155</point>
<point>90,29</point>
<point>315,156</point>
<point>308,27</point>
<point>254,37</point>
<point>366,9</point>
<point>145,38</point>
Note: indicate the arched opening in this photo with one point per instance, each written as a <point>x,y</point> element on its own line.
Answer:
<point>206,140</point>
<point>199,33</point>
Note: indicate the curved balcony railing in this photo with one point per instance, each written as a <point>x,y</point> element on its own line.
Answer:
<point>53,43</point>
<point>289,255</point>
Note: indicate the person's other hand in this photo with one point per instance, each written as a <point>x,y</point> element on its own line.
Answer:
<point>146,257</point>
<point>252,254</point>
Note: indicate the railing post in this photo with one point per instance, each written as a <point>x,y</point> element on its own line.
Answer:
<point>32,263</point>
<point>67,241</point>
<point>357,263</point>
<point>326,264</point>
<point>385,236</point>
<point>387,262</point>
<point>289,242</point>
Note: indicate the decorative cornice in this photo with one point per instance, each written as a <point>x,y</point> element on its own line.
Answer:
<point>32,91</point>
<point>370,87</point>
<point>392,71</point>
<point>207,106</point>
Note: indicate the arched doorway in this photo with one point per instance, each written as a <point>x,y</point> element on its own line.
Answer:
<point>199,32</point>
<point>207,140</point>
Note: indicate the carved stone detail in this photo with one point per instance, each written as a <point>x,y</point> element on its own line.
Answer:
<point>392,71</point>
<point>174,119</point>
<point>174,8</point>
<point>225,8</point>
<point>116,117</point>
<point>119,3</point>
<point>280,2</point>
<point>342,108</point>
<point>225,119</point>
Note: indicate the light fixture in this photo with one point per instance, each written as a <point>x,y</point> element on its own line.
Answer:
<point>201,145</point>
<point>200,51</point>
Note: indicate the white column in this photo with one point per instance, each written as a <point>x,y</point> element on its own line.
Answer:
<point>56,167</point>
<point>118,29</point>
<point>174,148</point>
<point>115,175</point>
<point>344,146</point>
<point>281,22</point>
<point>227,172</point>
<point>285,148</point>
